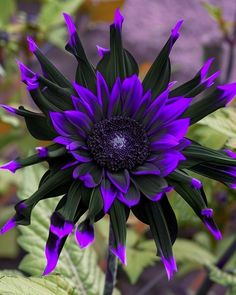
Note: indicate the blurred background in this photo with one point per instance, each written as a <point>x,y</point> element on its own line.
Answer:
<point>209,30</point>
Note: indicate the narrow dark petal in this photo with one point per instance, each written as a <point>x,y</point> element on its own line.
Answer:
<point>102,51</point>
<point>204,70</point>
<point>84,235</point>
<point>210,225</point>
<point>170,266</point>
<point>12,166</point>
<point>109,194</point>
<point>120,252</point>
<point>58,232</point>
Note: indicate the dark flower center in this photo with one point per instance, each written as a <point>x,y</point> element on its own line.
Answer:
<point>118,143</point>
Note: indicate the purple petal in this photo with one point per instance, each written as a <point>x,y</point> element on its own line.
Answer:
<point>131,93</point>
<point>174,110</point>
<point>213,229</point>
<point>204,70</point>
<point>11,166</point>
<point>210,80</point>
<point>61,124</point>
<point>170,266</point>
<point>11,223</point>
<point>196,183</point>
<point>89,173</point>
<point>228,92</point>
<point>84,235</point>
<point>118,19</point>
<point>9,109</point>
<point>177,128</point>
<point>167,162</point>
<point>120,252</point>
<point>28,77</point>
<point>42,152</point>
<point>163,142</point>
<point>79,120</point>
<point>230,153</point>
<point>207,212</point>
<point>175,30</point>
<point>59,226</point>
<point>82,156</point>
<point>70,24</point>
<point>52,258</point>
<point>121,180</point>
<point>32,45</point>
<point>109,194</point>
<point>102,51</point>
<point>70,164</point>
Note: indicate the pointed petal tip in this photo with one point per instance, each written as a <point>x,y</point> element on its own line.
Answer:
<point>31,43</point>
<point>12,166</point>
<point>228,92</point>
<point>42,151</point>
<point>120,252</point>
<point>118,19</point>
<point>230,153</point>
<point>175,30</point>
<point>102,51</point>
<point>170,266</point>
<point>69,22</point>
<point>196,183</point>
<point>8,108</point>
<point>205,68</point>
<point>85,235</point>
<point>207,212</point>
<point>8,226</point>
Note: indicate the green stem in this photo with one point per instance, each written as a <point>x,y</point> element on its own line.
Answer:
<point>207,283</point>
<point>111,272</point>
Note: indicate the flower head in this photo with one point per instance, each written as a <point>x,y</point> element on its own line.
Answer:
<point>119,144</point>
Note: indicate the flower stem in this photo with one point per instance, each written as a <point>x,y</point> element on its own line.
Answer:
<point>207,283</point>
<point>111,272</point>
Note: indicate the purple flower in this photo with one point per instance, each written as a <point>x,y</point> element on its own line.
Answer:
<point>119,144</point>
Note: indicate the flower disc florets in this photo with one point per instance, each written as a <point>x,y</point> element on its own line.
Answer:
<point>118,143</point>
